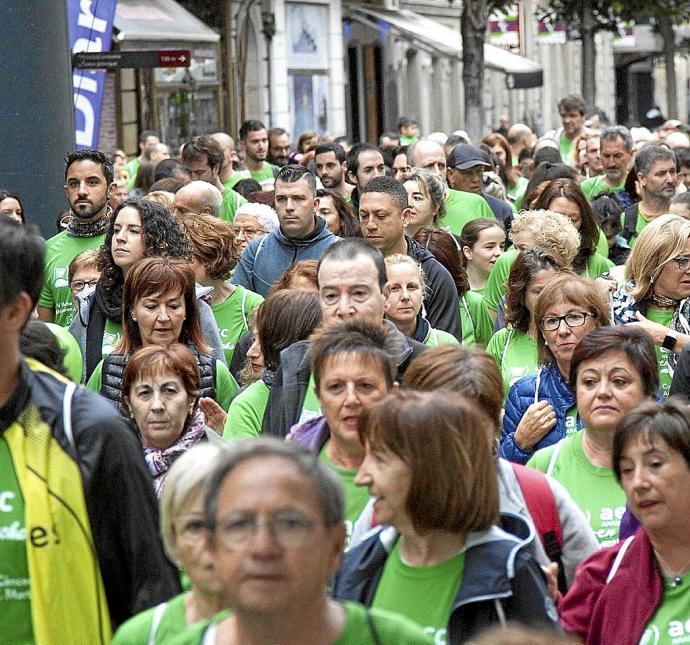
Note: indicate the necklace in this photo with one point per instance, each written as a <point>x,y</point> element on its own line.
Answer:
<point>663,301</point>
<point>675,577</point>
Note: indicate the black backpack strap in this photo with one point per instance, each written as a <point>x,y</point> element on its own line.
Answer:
<point>629,222</point>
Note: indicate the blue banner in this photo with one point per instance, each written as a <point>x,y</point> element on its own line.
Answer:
<point>90,30</point>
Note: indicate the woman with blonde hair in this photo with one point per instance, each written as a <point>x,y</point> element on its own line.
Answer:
<point>655,296</point>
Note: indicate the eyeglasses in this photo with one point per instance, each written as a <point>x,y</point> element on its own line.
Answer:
<point>248,232</point>
<point>79,285</point>
<point>682,261</point>
<point>573,319</point>
<point>288,529</point>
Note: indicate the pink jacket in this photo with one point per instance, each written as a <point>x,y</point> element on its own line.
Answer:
<point>614,595</point>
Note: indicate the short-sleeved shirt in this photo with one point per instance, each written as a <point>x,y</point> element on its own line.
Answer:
<point>439,337</point>
<point>515,353</point>
<point>233,317</point>
<point>567,151</point>
<point>640,223</point>
<point>140,629</point>
<point>265,176</point>
<point>422,594</point>
<point>593,186</point>
<point>61,249</point>
<point>231,202</point>
<point>246,413</point>
<point>476,324</point>
<point>593,488</point>
<point>670,623</point>
<point>463,207</point>
<point>496,284</point>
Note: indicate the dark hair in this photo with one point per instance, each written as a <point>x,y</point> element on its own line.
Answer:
<point>445,249</point>
<point>145,134</point>
<point>607,210</point>
<point>349,225</point>
<point>388,186</point>
<point>544,172</point>
<point>547,153</point>
<point>455,140</point>
<point>204,146</point>
<point>252,125</point>
<point>683,157</point>
<point>471,231</point>
<point>348,249</point>
<point>406,120</point>
<point>355,151</point>
<point>21,262</point>
<point>377,342</point>
<point>276,132</point>
<point>6,194</point>
<point>306,269</point>
<point>153,276</point>
<point>246,187</point>
<point>91,155</point>
<point>636,344</point>
<point>572,102</point>
<point>304,138</point>
<point>162,236</point>
<point>335,148</point>
<point>669,421</point>
<point>39,342</point>
<point>511,174</point>
<point>166,168</point>
<point>145,177</point>
<point>292,173</point>
<point>468,371</point>
<point>327,486</point>
<point>437,437</point>
<point>284,318</point>
<point>527,264</point>
<point>589,232</point>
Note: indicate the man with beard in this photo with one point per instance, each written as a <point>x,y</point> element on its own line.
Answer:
<point>88,186</point>
<point>254,140</point>
<point>278,147</point>
<point>331,168</point>
<point>657,178</point>
<point>616,157</point>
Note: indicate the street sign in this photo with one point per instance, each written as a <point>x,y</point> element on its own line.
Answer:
<point>136,59</point>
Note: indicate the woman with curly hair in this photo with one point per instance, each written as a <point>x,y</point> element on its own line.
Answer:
<point>138,229</point>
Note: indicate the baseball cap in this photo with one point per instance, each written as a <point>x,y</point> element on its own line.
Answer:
<point>465,156</point>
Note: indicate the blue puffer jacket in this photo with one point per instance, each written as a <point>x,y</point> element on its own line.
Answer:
<point>547,384</point>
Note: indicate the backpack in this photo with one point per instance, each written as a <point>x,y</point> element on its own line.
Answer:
<point>541,505</point>
<point>629,222</point>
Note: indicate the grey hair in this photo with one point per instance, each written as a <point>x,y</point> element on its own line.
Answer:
<point>618,132</point>
<point>327,486</point>
<point>265,215</point>
<point>184,481</point>
<point>649,154</point>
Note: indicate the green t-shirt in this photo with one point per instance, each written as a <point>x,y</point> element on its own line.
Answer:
<point>515,352</point>
<point>640,223</point>
<point>439,337</point>
<point>593,186</point>
<point>235,178</point>
<point>390,628</point>
<point>265,176</point>
<point>422,594</point>
<point>15,586</point>
<point>596,265</point>
<point>663,317</point>
<point>226,385</point>
<point>231,202</point>
<point>73,362</point>
<point>593,488</point>
<point>131,168</point>
<point>496,284</point>
<point>137,630</point>
<point>477,327</point>
<point>356,497</point>
<point>311,407</point>
<point>61,249</point>
<point>571,421</point>
<point>246,414</point>
<point>233,317</point>
<point>112,333</point>
<point>602,245</point>
<point>670,623</point>
<point>463,207</point>
<point>567,152</point>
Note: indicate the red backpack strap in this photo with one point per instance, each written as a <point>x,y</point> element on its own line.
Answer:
<point>541,505</point>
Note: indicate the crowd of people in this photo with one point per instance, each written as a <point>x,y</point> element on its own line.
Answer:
<point>339,392</point>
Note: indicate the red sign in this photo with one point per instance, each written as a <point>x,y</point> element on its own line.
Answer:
<point>174,58</point>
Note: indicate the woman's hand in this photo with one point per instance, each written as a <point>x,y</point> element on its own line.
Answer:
<point>656,331</point>
<point>538,420</point>
<point>551,574</point>
<point>607,282</point>
<point>213,414</point>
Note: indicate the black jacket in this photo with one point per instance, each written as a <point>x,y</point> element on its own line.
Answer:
<point>120,502</point>
<point>501,581</point>
<point>681,376</point>
<point>291,381</point>
<point>501,210</point>
<point>441,307</point>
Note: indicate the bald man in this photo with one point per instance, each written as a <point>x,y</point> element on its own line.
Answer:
<point>198,197</point>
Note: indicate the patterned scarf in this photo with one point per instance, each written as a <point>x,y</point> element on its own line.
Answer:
<point>77,228</point>
<point>159,461</point>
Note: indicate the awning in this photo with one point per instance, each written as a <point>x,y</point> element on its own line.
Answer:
<point>435,37</point>
<point>159,20</point>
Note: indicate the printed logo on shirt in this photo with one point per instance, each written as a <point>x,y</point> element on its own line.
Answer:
<point>109,342</point>
<point>650,636</point>
<point>14,588</point>
<point>60,278</point>
<point>15,532</point>
<point>438,634</point>
<point>609,522</point>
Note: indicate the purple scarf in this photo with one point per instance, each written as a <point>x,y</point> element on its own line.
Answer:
<point>159,461</point>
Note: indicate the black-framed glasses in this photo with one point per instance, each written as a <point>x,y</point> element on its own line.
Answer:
<point>682,262</point>
<point>573,319</point>
<point>288,529</point>
<point>79,285</point>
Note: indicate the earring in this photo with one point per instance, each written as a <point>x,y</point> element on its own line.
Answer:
<point>134,318</point>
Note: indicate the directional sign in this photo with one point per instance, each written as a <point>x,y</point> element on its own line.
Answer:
<point>136,59</point>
